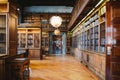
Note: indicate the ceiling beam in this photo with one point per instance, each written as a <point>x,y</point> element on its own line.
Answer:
<point>47,2</point>
<point>80,5</point>
<point>86,6</point>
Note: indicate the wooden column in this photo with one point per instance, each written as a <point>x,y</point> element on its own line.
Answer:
<point>12,34</point>
<point>113,41</point>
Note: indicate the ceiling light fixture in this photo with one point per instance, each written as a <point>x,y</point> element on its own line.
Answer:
<point>56,21</point>
<point>57,32</point>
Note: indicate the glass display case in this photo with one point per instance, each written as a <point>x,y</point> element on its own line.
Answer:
<point>30,43</point>
<point>28,38</point>
<point>36,40</point>
<point>3,29</point>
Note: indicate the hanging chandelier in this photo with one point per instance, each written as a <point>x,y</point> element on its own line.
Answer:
<point>56,21</point>
<point>57,32</point>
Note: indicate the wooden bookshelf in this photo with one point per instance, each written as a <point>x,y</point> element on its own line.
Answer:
<point>102,37</point>
<point>8,30</point>
<point>20,66</point>
<point>69,39</point>
<point>92,40</point>
<point>3,34</point>
<point>45,40</point>
<point>29,38</point>
<point>43,19</point>
<point>96,38</point>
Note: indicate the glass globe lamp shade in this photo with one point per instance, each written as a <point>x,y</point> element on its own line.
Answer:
<point>56,21</point>
<point>57,32</point>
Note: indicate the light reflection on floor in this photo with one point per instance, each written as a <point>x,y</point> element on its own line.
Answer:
<point>60,68</point>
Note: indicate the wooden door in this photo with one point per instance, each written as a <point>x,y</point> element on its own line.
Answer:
<point>113,41</point>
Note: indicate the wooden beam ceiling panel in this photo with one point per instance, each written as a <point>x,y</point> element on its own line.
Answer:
<point>47,2</point>
<point>75,20</point>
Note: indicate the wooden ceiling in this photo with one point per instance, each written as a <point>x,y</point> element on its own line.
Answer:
<point>77,18</point>
<point>47,2</point>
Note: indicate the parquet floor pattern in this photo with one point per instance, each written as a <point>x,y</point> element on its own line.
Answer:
<point>59,68</point>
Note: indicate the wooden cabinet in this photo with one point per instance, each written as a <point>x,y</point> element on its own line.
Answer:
<point>45,43</point>
<point>22,40</point>
<point>30,38</point>
<point>45,40</point>
<point>34,53</point>
<point>102,37</point>
<point>113,40</point>
<point>94,33</point>
<point>20,68</point>
<point>14,67</point>
<point>2,68</point>
<point>69,42</point>
<point>90,38</point>
<point>8,28</point>
<point>3,34</point>
<point>95,62</point>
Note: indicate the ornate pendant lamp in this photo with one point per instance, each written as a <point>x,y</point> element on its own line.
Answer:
<point>56,21</point>
<point>57,32</point>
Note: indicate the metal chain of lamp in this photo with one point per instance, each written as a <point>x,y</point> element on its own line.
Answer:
<point>56,21</point>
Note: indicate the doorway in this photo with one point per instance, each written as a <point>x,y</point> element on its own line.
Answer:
<point>52,43</point>
<point>57,44</point>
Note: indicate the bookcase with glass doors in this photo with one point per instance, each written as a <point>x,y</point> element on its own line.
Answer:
<point>8,23</point>
<point>29,38</point>
<point>92,40</point>
<point>3,34</point>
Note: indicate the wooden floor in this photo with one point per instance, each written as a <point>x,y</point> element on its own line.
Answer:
<point>59,68</point>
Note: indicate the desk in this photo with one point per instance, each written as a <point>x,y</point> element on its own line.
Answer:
<point>20,69</point>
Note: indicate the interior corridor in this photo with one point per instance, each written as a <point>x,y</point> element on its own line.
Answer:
<point>59,68</point>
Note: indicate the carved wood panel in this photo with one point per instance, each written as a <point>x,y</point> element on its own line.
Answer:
<point>113,23</point>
